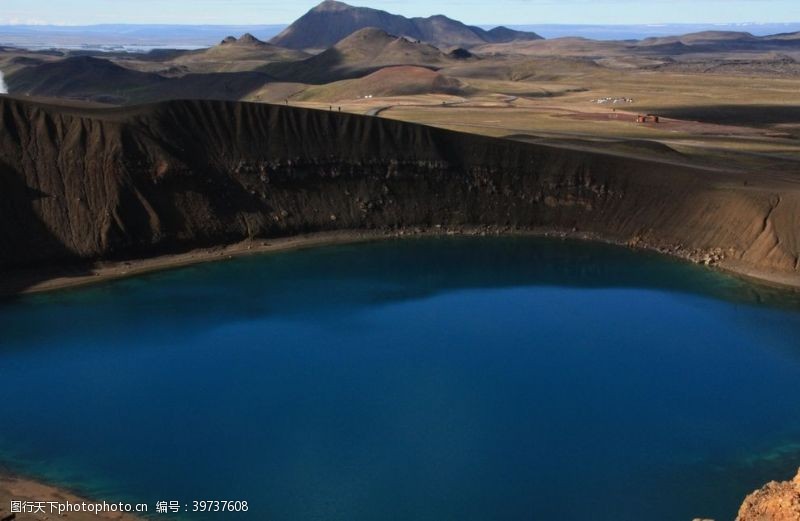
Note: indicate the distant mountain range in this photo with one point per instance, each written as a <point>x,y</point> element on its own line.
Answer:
<point>643,31</point>
<point>346,43</point>
<point>137,37</point>
<point>721,43</point>
<point>130,37</point>
<point>332,21</point>
<point>723,37</point>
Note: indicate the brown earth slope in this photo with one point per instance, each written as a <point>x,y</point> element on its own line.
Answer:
<point>361,53</point>
<point>247,53</point>
<point>387,82</point>
<point>88,184</point>
<point>99,80</point>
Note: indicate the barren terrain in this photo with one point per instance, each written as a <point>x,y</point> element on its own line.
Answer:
<point>113,164</point>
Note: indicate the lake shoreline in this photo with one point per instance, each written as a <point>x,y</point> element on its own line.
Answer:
<point>19,488</point>
<point>16,487</point>
<point>20,282</point>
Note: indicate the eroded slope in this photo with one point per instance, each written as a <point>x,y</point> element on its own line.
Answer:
<point>95,184</point>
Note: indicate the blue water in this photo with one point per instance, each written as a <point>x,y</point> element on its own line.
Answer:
<point>463,379</point>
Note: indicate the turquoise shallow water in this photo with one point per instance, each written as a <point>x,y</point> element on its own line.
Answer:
<point>469,379</point>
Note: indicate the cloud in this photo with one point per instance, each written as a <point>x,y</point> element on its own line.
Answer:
<point>26,21</point>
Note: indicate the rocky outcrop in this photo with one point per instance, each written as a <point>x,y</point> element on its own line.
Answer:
<point>82,185</point>
<point>775,502</point>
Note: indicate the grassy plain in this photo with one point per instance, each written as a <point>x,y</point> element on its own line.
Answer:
<point>724,121</point>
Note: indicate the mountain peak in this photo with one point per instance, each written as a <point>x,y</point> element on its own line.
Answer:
<point>331,5</point>
<point>246,40</point>
<point>249,38</point>
<point>368,33</point>
<point>332,21</point>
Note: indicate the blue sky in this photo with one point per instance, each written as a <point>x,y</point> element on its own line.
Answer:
<point>79,12</point>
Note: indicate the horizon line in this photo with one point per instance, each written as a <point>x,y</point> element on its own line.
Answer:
<point>274,24</point>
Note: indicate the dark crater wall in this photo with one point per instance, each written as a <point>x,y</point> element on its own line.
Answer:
<point>82,185</point>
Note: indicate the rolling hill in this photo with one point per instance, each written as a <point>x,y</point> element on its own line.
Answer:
<point>331,21</point>
<point>359,54</point>
<point>405,80</point>
<point>235,55</point>
<point>93,79</point>
<point>81,77</point>
<point>723,44</point>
